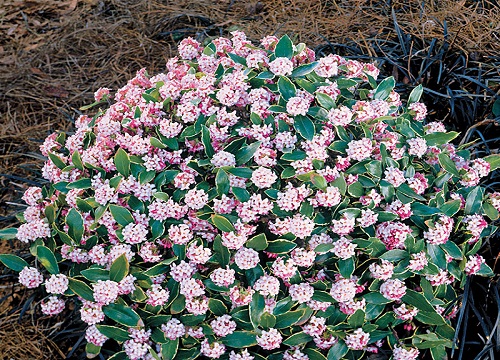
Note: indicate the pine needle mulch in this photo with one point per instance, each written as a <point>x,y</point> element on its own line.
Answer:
<point>55,53</point>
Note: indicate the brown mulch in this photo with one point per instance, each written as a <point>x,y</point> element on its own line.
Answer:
<point>26,339</point>
<point>55,53</point>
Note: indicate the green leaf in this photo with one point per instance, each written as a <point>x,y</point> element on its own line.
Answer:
<point>485,270</point>
<point>267,320</point>
<point>304,126</point>
<point>419,209</point>
<point>298,339</point>
<point>241,194</point>
<point>80,184</point>
<point>284,48</point>
<point>113,332</point>
<point>243,172</point>
<point>325,101</point>
<point>356,190</point>
<point>157,143</point>
<point>222,252</point>
<point>395,255</point>
<point>57,161</point>
<point>344,83</point>
<point>217,307</point>
<point>452,249</point>
<point>119,268</point>
<point>8,234</point>
<point>237,59</point>
<point>256,308</point>
<point>450,208</point>
<point>92,350</point>
<point>304,69</point>
<point>337,351</point>
<point>313,354</point>
<point>122,314</point>
<point>473,201</point>
<point>121,215</point>
<point>221,182</point>
<point>265,75</point>
<point>246,153</point>
<point>448,164</point>
<point>95,274</point>
<point>222,223</point>
<point>346,267</point>
<point>376,298</point>
<point>357,319</point>
<point>439,352</point>
<point>417,300</point>
<point>169,349</point>
<point>288,318</point>
<point>122,162</point>
<point>439,138</point>
<point>430,318</point>
<point>384,216</point>
<point>384,89</point>
<point>493,160</point>
<point>81,289</point>
<point>258,242</point>
<point>160,268</point>
<point>13,262</point>
<point>415,94</point>
<point>47,258</point>
<point>323,296</point>
<point>280,246</point>
<point>207,141</point>
<point>490,211</point>
<point>76,159</point>
<point>240,339</point>
<point>406,190</point>
<point>286,88</point>
<point>122,355</point>
<point>75,224</point>
<point>319,181</point>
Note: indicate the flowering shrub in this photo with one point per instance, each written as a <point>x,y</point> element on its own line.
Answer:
<point>253,202</point>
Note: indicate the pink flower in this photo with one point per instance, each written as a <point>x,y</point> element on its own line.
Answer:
<point>297,106</point>
<point>393,289</point>
<point>343,290</point>
<point>359,149</point>
<point>263,177</point>
<point>30,277</point>
<point>53,306</point>
<point>420,110</point>
<point>301,292</point>
<point>473,264</point>
<point>401,353</point>
<point>357,340</point>
<point>269,340</point>
<point>281,66</point>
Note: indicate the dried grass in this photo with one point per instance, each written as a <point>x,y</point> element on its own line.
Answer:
<point>26,340</point>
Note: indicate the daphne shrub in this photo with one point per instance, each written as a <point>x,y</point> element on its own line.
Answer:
<point>256,202</point>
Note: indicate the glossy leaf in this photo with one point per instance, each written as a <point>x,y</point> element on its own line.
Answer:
<point>81,289</point>
<point>304,126</point>
<point>13,262</point>
<point>122,314</point>
<point>222,223</point>
<point>284,48</point>
<point>47,258</point>
<point>119,268</point>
